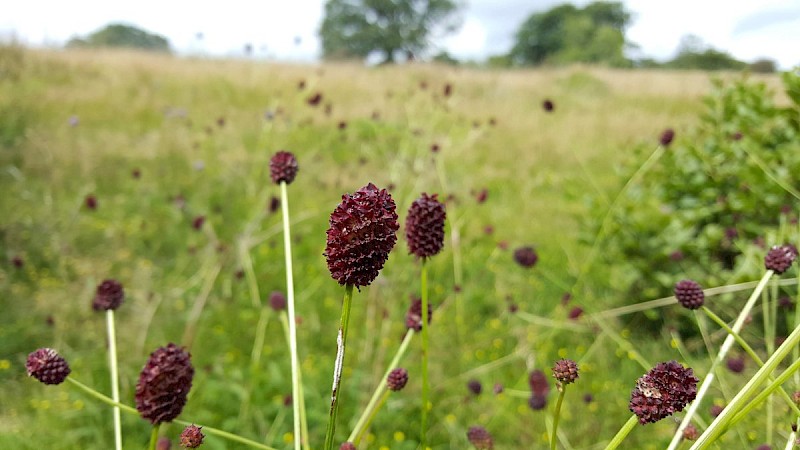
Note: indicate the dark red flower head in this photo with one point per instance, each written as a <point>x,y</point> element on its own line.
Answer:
<point>47,366</point>
<point>277,301</point>
<point>663,391</point>
<point>780,258</point>
<point>526,256</point>
<point>414,315</point>
<point>110,295</point>
<point>164,384</point>
<point>480,438</point>
<point>537,402</point>
<point>425,226</point>
<point>475,386</point>
<point>565,371</point>
<point>192,437</point>
<point>397,379</point>
<point>667,136</point>
<point>363,230</point>
<point>538,383</point>
<point>548,105</point>
<point>690,433</point>
<point>689,294</point>
<point>91,202</point>
<point>283,167</point>
<point>347,446</point>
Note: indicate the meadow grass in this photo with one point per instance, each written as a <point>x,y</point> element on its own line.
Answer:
<point>201,132</point>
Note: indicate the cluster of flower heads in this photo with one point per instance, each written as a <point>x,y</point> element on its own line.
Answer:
<point>664,390</point>
<point>283,167</point>
<point>565,371</point>
<point>425,226</point>
<point>47,366</point>
<point>363,230</point>
<point>689,294</point>
<point>780,258</point>
<point>397,379</point>
<point>109,296</point>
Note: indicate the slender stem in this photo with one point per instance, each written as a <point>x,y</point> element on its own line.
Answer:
<point>557,415</point>
<point>341,342</point>
<point>722,421</point>
<point>297,393</point>
<point>128,409</point>
<point>766,393</point>
<point>369,417</point>
<point>112,356</point>
<point>622,433</point>
<point>154,436</point>
<point>723,351</point>
<point>426,387</point>
<point>381,388</point>
<point>749,350</point>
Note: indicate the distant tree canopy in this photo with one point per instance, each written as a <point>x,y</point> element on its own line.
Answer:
<point>694,54</point>
<point>358,28</point>
<point>120,35</point>
<point>567,34</point>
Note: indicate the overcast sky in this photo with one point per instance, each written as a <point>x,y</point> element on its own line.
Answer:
<point>745,28</point>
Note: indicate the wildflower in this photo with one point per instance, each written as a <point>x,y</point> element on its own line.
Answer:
<point>537,402</point>
<point>110,295</point>
<point>666,137</point>
<point>448,90</point>
<point>283,167</point>
<point>414,315</point>
<point>715,410</point>
<point>425,226</point>
<point>397,379</point>
<point>315,99</point>
<point>498,388</point>
<point>17,261</point>
<point>277,301</point>
<point>689,294</point>
<point>475,386</point>
<point>47,366</point>
<point>192,437</point>
<point>575,313</point>
<point>664,390</point>
<point>780,258</point>
<point>548,105</point>
<point>347,446</point>
<point>480,438</point>
<point>735,365</point>
<point>538,383</point>
<point>526,256</point>
<point>690,433</point>
<point>565,371</point>
<point>198,222</point>
<point>164,383</point>
<point>91,202</point>
<point>362,232</point>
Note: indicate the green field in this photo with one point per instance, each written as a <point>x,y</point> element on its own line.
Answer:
<point>199,134</point>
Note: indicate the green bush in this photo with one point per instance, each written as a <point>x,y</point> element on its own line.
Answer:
<point>713,198</point>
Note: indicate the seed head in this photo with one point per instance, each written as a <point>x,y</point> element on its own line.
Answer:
<point>565,371</point>
<point>689,294</point>
<point>397,379</point>
<point>780,258</point>
<point>110,295</point>
<point>667,136</point>
<point>414,315</point>
<point>526,256</point>
<point>480,438</point>
<point>425,226</point>
<point>47,366</point>
<point>191,437</point>
<point>664,390</point>
<point>164,384</point>
<point>283,167</point>
<point>363,230</point>
<point>277,300</point>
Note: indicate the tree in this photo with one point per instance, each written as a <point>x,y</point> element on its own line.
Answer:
<point>567,34</point>
<point>120,35</point>
<point>693,53</point>
<point>357,28</point>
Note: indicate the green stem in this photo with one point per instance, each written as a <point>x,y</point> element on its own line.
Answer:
<point>341,342</point>
<point>722,421</point>
<point>426,387</point>
<point>723,351</point>
<point>774,385</point>
<point>557,415</point>
<point>154,437</point>
<point>128,409</point>
<point>362,423</point>
<point>381,400</point>
<point>297,393</point>
<point>112,356</point>
<point>749,350</point>
<point>622,433</point>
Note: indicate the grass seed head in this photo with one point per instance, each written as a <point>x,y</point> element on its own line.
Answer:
<point>47,366</point>
<point>363,230</point>
<point>164,384</point>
